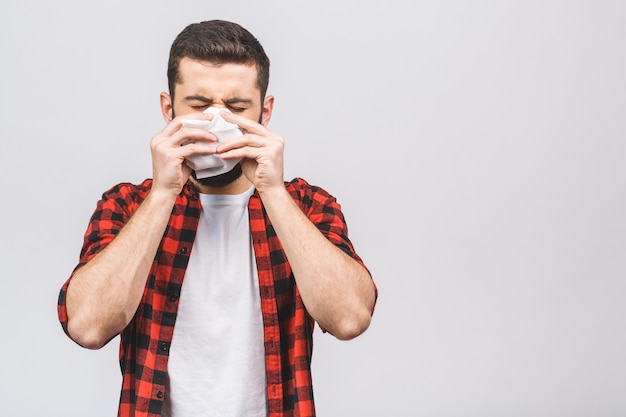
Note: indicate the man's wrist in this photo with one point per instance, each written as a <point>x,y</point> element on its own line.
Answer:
<point>276,193</point>
<point>160,198</point>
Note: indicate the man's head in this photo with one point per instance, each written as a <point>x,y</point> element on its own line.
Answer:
<point>218,42</point>
<point>220,64</point>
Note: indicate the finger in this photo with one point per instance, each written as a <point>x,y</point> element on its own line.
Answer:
<point>248,152</point>
<point>188,135</point>
<point>251,147</point>
<point>242,141</point>
<point>244,123</point>
<point>196,148</point>
<point>176,125</point>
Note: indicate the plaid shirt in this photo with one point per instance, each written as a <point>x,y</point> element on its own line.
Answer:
<point>288,328</point>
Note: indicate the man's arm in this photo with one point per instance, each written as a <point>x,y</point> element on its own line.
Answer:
<point>103,295</point>
<point>337,291</point>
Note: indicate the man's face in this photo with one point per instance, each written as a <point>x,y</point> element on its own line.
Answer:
<point>231,86</point>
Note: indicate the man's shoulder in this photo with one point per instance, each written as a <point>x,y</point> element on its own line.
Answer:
<point>308,194</point>
<point>301,185</point>
<point>128,189</point>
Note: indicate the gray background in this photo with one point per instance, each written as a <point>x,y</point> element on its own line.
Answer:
<point>477,149</point>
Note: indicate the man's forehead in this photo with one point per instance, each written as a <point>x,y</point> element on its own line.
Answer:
<point>203,77</point>
<point>187,64</point>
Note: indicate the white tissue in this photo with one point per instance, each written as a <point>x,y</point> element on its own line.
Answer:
<point>212,165</point>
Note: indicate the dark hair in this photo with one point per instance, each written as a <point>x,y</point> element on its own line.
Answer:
<point>219,42</point>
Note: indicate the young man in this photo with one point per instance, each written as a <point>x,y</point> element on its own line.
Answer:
<point>214,284</point>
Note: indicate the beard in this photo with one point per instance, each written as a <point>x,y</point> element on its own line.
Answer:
<point>221,180</point>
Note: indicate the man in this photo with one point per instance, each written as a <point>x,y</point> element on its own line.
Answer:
<point>262,259</point>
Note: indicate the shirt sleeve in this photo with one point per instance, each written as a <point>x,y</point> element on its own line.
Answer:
<point>111,214</point>
<point>325,213</point>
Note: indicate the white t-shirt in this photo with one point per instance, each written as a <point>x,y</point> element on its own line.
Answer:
<point>217,357</point>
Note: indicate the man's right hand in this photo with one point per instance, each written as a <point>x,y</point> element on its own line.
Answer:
<point>171,146</point>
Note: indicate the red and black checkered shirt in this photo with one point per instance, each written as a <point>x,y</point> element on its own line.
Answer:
<point>288,328</point>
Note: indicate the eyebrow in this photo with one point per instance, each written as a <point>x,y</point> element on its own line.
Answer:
<point>199,98</point>
<point>207,100</point>
<point>238,100</point>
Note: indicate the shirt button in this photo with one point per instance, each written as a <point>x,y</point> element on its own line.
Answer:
<point>159,394</point>
<point>184,250</point>
<point>173,297</point>
<point>164,347</point>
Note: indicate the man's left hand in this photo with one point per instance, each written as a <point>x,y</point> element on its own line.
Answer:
<point>261,150</point>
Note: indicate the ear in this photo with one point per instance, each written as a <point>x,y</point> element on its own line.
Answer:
<point>268,106</point>
<point>166,106</point>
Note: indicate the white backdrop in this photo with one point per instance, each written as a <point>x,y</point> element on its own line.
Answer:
<point>478,149</point>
